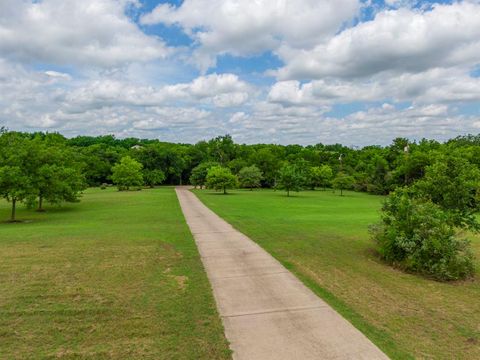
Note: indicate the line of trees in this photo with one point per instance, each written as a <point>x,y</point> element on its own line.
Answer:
<point>373,169</point>
<point>433,186</point>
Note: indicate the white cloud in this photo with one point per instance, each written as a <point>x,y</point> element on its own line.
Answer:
<point>114,82</point>
<point>377,125</point>
<point>224,90</point>
<point>433,86</point>
<point>86,32</point>
<point>402,40</point>
<point>241,27</point>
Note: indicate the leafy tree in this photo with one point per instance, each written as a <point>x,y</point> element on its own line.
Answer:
<point>55,173</point>
<point>56,183</point>
<point>222,149</point>
<point>290,178</point>
<point>453,184</point>
<point>99,160</point>
<point>199,174</point>
<point>15,182</point>
<point>250,177</point>
<point>343,181</point>
<point>268,162</point>
<point>153,177</point>
<point>221,178</point>
<point>321,176</point>
<point>418,236</point>
<point>127,173</point>
<point>15,186</point>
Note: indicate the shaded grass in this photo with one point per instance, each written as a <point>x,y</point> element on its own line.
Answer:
<point>115,276</point>
<point>323,238</point>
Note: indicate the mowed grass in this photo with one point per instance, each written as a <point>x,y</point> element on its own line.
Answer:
<point>323,238</point>
<point>116,276</point>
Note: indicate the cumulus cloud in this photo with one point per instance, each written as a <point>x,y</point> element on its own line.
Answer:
<point>224,90</point>
<point>433,86</point>
<point>403,40</point>
<point>86,67</point>
<point>247,27</point>
<point>87,32</point>
<point>376,125</point>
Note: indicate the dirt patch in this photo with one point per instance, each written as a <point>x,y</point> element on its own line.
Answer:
<point>181,281</point>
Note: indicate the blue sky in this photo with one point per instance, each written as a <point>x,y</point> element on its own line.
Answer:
<point>296,71</point>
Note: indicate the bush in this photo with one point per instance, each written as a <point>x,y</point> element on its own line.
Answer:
<point>417,235</point>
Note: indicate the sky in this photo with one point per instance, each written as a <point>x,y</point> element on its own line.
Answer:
<point>356,72</point>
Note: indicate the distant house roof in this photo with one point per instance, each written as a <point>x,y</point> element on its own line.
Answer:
<point>136,147</point>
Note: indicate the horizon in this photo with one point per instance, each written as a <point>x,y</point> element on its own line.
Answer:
<point>352,72</point>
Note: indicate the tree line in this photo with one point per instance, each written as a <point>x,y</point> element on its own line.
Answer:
<point>433,187</point>
<point>372,169</point>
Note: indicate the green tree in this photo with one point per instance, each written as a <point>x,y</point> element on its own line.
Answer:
<point>153,177</point>
<point>199,174</point>
<point>127,173</point>
<point>290,178</point>
<point>453,184</point>
<point>55,173</point>
<point>56,183</point>
<point>343,181</point>
<point>321,176</point>
<point>221,178</point>
<point>250,177</point>
<point>15,180</point>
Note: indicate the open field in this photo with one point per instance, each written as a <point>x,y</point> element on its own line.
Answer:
<point>323,238</point>
<point>115,276</point>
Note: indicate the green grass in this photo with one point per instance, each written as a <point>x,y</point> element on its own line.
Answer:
<point>323,238</point>
<point>115,276</point>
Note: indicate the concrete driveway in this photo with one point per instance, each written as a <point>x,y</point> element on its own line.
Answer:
<point>266,311</point>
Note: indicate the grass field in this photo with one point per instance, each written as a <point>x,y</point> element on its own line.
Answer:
<point>323,238</point>
<point>115,276</point>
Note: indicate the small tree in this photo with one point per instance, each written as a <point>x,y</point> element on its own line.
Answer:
<point>199,174</point>
<point>15,186</point>
<point>343,181</point>
<point>15,163</point>
<point>221,178</point>
<point>56,183</point>
<point>290,178</point>
<point>250,177</point>
<point>127,173</point>
<point>153,177</point>
<point>54,173</point>
<point>321,176</point>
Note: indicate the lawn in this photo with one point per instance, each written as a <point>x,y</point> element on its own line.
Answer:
<point>115,276</point>
<point>323,238</point>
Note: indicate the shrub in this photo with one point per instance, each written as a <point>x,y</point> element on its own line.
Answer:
<point>418,236</point>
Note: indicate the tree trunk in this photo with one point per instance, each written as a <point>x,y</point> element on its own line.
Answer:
<point>224,190</point>
<point>341,192</point>
<point>288,192</point>
<point>14,205</point>
<point>40,203</point>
